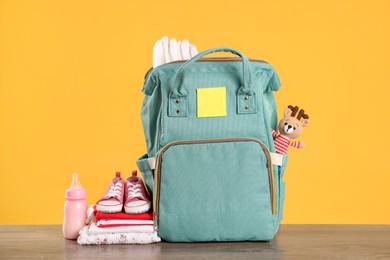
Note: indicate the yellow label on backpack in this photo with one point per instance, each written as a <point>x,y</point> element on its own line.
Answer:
<point>211,102</point>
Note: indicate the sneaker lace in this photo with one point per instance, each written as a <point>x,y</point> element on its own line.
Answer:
<point>115,191</point>
<point>134,191</point>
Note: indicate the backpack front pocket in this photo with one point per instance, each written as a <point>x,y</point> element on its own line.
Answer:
<point>215,190</point>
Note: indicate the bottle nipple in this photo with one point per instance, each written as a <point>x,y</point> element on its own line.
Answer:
<point>75,190</point>
<point>75,182</point>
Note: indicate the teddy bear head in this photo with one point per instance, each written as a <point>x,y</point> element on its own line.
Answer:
<point>293,122</point>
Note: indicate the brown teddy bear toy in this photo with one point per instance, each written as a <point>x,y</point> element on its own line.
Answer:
<point>290,127</point>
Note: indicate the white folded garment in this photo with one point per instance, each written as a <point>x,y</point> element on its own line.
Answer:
<point>107,222</point>
<point>86,238</point>
<point>95,230</point>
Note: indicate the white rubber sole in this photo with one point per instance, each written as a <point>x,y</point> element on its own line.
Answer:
<point>138,209</point>
<point>109,209</point>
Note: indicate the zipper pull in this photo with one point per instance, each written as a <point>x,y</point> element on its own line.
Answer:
<point>155,220</point>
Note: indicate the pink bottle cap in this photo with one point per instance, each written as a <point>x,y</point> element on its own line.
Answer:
<point>76,194</point>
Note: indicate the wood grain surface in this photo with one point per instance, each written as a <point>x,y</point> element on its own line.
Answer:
<point>291,242</point>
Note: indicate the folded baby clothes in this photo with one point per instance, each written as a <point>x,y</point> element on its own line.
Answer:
<point>86,238</point>
<point>118,228</point>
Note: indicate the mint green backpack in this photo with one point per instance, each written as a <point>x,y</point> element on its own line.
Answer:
<point>211,166</point>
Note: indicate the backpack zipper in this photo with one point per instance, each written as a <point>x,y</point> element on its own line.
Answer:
<point>157,181</point>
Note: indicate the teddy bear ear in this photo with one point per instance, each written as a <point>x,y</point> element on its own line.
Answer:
<point>305,122</point>
<point>287,112</point>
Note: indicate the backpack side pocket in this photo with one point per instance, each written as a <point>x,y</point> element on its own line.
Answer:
<point>143,164</point>
<point>282,186</point>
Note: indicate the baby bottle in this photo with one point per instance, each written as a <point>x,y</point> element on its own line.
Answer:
<point>75,209</point>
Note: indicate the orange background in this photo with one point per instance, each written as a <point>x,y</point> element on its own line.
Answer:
<point>71,74</point>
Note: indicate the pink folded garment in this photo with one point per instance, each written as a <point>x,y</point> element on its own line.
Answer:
<point>124,216</point>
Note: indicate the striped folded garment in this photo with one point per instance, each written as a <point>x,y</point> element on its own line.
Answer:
<point>106,220</point>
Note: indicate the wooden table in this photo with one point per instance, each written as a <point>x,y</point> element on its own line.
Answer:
<point>291,242</point>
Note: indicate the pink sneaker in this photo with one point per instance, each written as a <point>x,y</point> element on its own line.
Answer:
<point>137,200</point>
<point>112,201</point>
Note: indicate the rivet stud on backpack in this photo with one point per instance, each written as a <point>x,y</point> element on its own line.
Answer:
<point>178,111</point>
<point>246,98</point>
<point>177,101</point>
<point>246,107</point>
